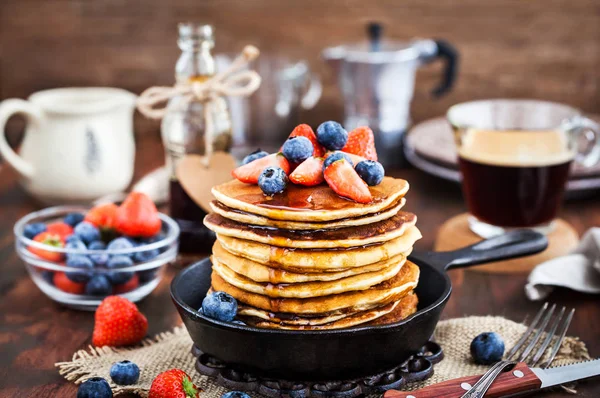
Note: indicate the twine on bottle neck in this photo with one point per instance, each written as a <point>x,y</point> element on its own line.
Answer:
<point>232,82</point>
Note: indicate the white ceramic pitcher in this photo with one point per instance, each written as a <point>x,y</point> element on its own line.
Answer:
<point>78,143</point>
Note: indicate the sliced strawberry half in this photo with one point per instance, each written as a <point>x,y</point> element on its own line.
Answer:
<point>361,142</point>
<point>355,158</point>
<point>346,182</point>
<point>62,282</point>
<point>59,228</point>
<point>50,239</point>
<point>304,130</point>
<point>309,172</point>
<point>250,172</point>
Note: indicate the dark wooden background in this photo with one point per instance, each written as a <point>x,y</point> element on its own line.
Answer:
<point>545,49</point>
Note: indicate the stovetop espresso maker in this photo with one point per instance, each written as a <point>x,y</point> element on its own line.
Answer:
<point>377,81</point>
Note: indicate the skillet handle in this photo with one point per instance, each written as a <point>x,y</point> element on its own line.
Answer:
<point>506,246</point>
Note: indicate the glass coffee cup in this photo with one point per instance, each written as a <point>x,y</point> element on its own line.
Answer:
<point>515,157</point>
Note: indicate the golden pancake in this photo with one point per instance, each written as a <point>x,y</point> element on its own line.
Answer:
<point>262,273</point>
<point>310,289</point>
<point>383,293</point>
<point>320,260</point>
<point>307,204</point>
<point>381,231</point>
<point>258,314</point>
<point>313,320</point>
<point>252,219</point>
<point>345,322</point>
<point>403,307</point>
<point>409,307</point>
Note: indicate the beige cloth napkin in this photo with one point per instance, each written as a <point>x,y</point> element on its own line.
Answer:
<point>579,270</point>
<point>172,350</point>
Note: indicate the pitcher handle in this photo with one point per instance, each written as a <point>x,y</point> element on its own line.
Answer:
<point>313,94</point>
<point>34,115</point>
<point>448,53</point>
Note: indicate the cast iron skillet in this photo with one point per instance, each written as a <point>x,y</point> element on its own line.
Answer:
<point>343,353</point>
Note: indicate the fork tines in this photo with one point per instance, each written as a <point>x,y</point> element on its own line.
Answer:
<point>540,334</point>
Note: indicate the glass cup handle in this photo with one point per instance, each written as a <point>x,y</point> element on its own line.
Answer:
<point>313,94</point>
<point>583,128</point>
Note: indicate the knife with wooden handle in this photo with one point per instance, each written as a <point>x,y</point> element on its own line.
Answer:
<point>519,379</point>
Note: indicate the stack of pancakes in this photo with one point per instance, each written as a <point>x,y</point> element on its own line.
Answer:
<point>308,259</point>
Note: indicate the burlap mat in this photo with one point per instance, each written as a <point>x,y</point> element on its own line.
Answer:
<point>172,350</point>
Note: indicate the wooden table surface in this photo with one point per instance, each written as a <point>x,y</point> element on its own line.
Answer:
<point>35,332</point>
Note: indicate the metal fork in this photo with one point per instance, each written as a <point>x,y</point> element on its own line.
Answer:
<point>558,328</point>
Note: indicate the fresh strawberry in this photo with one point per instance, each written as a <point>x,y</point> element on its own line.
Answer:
<point>250,172</point>
<point>137,216</point>
<point>63,283</point>
<point>102,216</point>
<point>361,142</point>
<point>309,172</point>
<point>304,130</point>
<point>173,383</point>
<point>50,239</point>
<point>59,228</point>
<point>118,323</point>
<point>132,284</point>
<point>346,182</point>
<point>355,158</point>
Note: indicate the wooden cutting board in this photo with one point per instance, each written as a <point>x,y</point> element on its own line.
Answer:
<point>198,179</point>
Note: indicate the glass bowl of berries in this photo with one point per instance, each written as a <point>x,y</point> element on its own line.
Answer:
<point>77,256</point>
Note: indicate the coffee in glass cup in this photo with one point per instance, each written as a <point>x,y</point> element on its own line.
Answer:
<point>515,157</point>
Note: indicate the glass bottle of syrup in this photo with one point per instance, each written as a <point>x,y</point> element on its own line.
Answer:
<point>183,132</point>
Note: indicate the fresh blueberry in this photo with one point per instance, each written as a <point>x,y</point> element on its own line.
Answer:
<point>336,156</point>
<point>133,241</point>
<point>121,244</point>
<point>154,239</point>
<point>97,245</point>
<point>124,373</point>
<point>73,218</point>
<point>142,257</point>
<point>99,285</point>
<point>48,276</point>
<point>332,135</point>
<point>31,230</point>
<point>147,276</point>
<point>75,243</point>
<point>254,156</point>
<point>87,232</point>
<point>220,306</point>
<point>297,149</point>
<point>371,172</point>
<point>101,258</point>
<point>235,394</point>
<point>96,387</point>
<point>487,348</point>
<point>72,238</point>
<point>272,180</point>
<point>116,262</point>
<point>82,262</point>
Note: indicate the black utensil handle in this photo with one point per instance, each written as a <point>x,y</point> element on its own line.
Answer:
<point>509,245</point>
<point>448,53</point>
